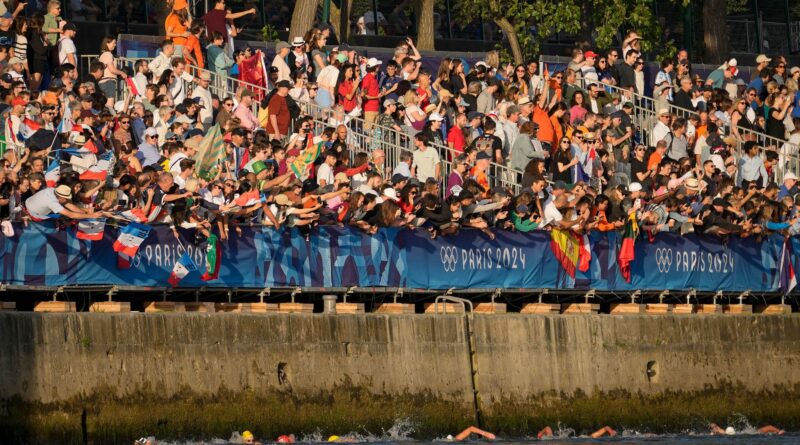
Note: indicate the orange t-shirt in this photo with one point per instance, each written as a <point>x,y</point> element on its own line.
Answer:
<point>546,131</point>
<point>654,160</point>
<point>193,47</point>
<point>558,132</point>
<point>173,24</point>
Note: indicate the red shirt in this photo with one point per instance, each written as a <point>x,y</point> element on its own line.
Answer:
<point>277,106</point>
<point>370,86</point>
<point>346,88</point>
<point>456,137</point>
<point>215,21</point>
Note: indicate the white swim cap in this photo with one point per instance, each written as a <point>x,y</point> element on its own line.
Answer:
<point>730,431</point>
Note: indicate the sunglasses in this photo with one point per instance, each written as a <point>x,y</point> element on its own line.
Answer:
<point>228,104</point>
<point>125,122</point>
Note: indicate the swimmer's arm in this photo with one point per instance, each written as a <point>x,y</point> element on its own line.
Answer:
<point>715,429</point>
<point>473,430</point>
<point>603,431</point>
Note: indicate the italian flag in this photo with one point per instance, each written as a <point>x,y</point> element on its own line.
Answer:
<point>626,252</point>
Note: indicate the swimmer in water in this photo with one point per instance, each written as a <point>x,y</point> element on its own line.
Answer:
<point>343,439</point>
<point>470,431</point>
<point>144,441</point>
<point>547,433</point>
<point>249,438</point>
<point>716,430</point>
<point>286,439</point>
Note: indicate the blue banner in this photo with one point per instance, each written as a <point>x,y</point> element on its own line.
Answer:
<point>44,255</point>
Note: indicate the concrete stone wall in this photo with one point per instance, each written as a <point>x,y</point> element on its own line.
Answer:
<point>135,372</point>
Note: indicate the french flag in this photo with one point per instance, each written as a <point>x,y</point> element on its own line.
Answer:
<point>27,128</point>
<point>250,198</point>
<point>97,172</point>
<point>127,244</point>
<point>182,267</point>
<point>788,280</point>
<point>134,215</point>
<point>53,173</point>
<point>91,229</point>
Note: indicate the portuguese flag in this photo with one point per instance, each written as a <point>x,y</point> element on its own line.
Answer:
<point>306,158</point>
<point>571,250</point>
<point>626,252</point>
<point>213,258</point>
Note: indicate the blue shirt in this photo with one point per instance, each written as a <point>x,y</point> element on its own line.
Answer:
<point>148,154</point>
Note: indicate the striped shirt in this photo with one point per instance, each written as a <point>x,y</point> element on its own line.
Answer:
<point>21,47</point>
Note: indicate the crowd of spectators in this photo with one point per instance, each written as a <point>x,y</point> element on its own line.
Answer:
<point>489,146</point>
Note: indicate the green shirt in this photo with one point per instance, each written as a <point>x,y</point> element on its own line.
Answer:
<point>51,22</point>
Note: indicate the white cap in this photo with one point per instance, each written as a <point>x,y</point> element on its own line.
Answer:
<point>635,187</point>
<point>730,431</point>
<point>373,62</point>
<point>762,58</point>
<point>391,194</point>
<point>790,175</point>
<point>435,117</point>
<point>151,132</point>
<point>183,119</point>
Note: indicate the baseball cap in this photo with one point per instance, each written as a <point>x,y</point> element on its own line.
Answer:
<point>635,187</point>
<point>70,27</point>
<point>273,69</point>
<point>762,58</point>
<point>7,15</point>
<point>194,132</point>
<point>7,78</point>
<point>151,132</point>
<point>183,119</point>
<point>589,54</point>
<point>373,62</point>
<point>397,178</point>
<point>181,108</point>
<point>14,60</point>
<point>435,117</point>
<point>19,101</point>
<point>283,84</point>
<point>474,115</point>
<point>342,58</point>
<point>281,45</point>
<point>617,115</point>
<point>389,102</point>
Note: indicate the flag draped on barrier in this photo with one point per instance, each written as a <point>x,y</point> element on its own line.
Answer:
<point>627,252</point>
<point>788,280</point>
<point>571,250</point>
<point>127,244</point>
<point>213,258</point>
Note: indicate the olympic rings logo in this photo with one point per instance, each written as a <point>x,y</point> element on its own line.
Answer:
<point>664,259</point>
<point>449,256</point>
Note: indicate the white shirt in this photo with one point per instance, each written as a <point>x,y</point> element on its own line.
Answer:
<point>159,64</point>
<point>175,163</point>
<point>177,89</point>
<point>43,203</point>
<point>425,163</point>
<point>284,73</point>
<point>66,47</point>
<point>403,169</point>
<point>551,214</point>
<point>325,172</point>
<point>141,83</point>
<point>660,131</point>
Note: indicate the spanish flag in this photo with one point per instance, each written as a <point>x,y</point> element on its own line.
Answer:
<point>626,252</point>
<point>571,250</point>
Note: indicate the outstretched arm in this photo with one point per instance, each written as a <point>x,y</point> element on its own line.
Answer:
<point>474,430</point>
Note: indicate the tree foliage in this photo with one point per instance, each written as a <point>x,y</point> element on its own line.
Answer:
<point>535,21</point>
